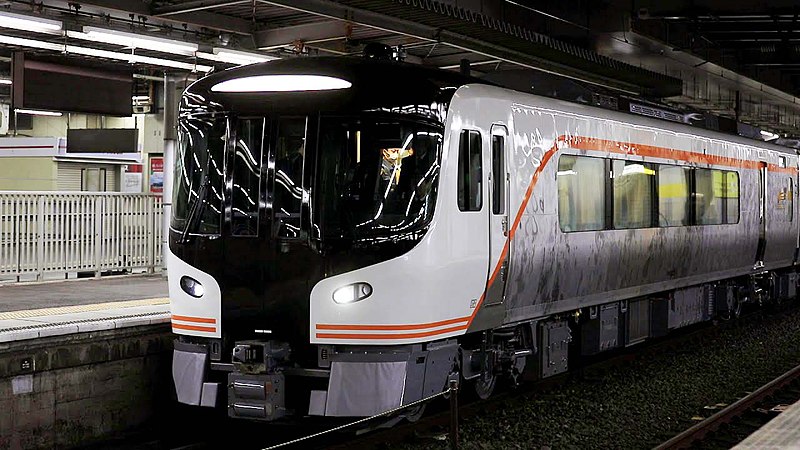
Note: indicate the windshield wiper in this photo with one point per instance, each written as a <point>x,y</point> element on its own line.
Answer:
<point>197,207</point>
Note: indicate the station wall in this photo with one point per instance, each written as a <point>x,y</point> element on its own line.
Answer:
<point>28,174</point>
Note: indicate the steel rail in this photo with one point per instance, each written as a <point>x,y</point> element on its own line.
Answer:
<point>726,415</point>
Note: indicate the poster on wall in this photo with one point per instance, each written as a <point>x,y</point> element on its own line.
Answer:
<point>156,174</point>
<point>132,178</point>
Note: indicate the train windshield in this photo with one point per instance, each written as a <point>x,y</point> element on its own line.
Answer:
<point>197,191</point>
<point>378,176</point>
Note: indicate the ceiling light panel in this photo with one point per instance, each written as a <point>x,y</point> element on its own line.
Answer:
<point>133,40</point>
<point>21,42</point>
<point>88,51</point>
<point>29,23</point>
<point>131,58</point>
<point>234,56</point>
<point>38,112</point>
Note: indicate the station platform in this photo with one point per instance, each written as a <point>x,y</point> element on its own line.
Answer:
<point>782,432</point>
<point>37,310</point>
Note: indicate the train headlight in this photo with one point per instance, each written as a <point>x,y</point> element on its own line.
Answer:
<point>352,293</point>
<point>192,287</point>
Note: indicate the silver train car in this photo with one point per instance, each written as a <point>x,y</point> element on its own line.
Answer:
<point>348,235</point>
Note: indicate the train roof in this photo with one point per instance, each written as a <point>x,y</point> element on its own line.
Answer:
<point>562,106</point>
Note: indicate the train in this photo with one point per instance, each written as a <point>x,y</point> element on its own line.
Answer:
<point>349,235</point>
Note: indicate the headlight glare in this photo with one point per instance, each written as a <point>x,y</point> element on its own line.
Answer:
<point>192,287</point>
<point>352,293</point>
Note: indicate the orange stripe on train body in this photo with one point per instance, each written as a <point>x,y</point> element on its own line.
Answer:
<point>181,326</point>
<point>419,326</point>
<point>193,319</point>
<point>389,335</point>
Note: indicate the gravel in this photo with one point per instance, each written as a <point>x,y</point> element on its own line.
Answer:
<point>643,403</point>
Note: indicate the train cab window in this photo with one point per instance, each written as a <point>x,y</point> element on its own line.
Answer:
<point>377,176</point>
<point>289,162</point>
<point>708,196</point>
<point>731,194</point>
<point>498,175</point>
<point>633,194</point>
<point>246,177</point>
<point>470,171</point>
<point>581,193</point>
<point>673,195</point>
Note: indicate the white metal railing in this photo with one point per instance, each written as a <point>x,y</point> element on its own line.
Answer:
<point>66,232</point>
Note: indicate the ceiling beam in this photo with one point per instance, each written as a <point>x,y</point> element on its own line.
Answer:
<point>311,32</point>
<point>199,18</point>
<point>194,6</point>
<point>372,19</point>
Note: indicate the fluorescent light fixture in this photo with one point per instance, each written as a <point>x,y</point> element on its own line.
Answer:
<point>637,168</point>
<point>131,58</point>
<point>134,40</point>
<point>140,97</point>
<point>5,81</point>
<point>29,23</point>
<point>234,56</point>
<point>21,42</point>
<point>281,83</point>
<point>769,136</point>
<point>38,112</point>
<point>88,51</point>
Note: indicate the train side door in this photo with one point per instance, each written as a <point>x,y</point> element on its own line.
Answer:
<point>762,213</point>
<point>498,217</point>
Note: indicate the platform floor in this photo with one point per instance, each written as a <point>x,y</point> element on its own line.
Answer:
<point>33,310</point>
<point>782,432</point>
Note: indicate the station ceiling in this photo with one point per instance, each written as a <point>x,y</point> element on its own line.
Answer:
<point>731,58</point>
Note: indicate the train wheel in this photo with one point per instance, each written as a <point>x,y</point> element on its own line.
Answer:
<point>484,385</point>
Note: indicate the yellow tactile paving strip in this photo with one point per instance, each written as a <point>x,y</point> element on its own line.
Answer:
<point>82,308</point>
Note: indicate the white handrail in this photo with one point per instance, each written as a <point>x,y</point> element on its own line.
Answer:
<point>68,232</point>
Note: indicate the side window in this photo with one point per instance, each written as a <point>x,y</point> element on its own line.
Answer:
<point>498,175</point>
<point>581,193</point>
<point>708,196</point>
<point>633,194</point>
<point>673,196</point>
<point>470,171</point>
<point>732,197</point>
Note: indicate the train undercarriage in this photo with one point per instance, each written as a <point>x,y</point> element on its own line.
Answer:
<point>262,382</point>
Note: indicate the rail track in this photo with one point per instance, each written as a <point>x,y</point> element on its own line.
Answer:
<point>432,429</point>
<point>733,423</point>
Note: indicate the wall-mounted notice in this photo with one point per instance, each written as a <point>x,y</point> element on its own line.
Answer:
<point>156,174</point>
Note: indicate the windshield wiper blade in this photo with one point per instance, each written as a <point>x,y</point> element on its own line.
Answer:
<point>197,211</point>
<point>198,206</point>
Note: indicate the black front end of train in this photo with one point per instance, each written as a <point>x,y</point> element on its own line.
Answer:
<point>276,189</point>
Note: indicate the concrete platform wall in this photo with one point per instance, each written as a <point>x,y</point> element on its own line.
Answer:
<point>71,390</point>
